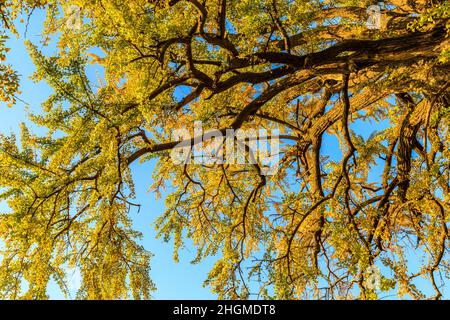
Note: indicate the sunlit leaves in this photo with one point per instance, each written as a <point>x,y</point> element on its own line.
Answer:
<point>135,71</point>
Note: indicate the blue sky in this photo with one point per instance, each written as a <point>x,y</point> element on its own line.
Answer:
<point>181,280</point>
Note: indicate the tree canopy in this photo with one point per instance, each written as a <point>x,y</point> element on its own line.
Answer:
<point>314,69</point>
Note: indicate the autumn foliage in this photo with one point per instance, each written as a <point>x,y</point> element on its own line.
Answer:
<point>313,69</point>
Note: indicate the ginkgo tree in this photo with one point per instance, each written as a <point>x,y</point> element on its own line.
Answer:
<point>312,69</point>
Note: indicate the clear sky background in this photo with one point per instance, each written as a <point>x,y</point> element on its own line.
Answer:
<point>181,280</point>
